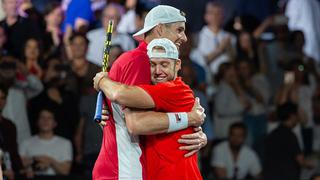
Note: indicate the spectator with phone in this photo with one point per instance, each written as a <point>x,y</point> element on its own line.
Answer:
<point>299,88</point>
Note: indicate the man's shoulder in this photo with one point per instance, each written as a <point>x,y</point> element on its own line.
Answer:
<point>222,147</point>
<point>61,140</point>
<point>131,57</point>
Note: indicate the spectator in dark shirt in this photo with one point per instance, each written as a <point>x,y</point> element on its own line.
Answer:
<point>284,158</point>
<point>18,29</point>
<point>8,133</point>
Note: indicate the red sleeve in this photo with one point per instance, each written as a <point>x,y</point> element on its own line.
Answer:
<point>131,69</point>
<point>170,97</point>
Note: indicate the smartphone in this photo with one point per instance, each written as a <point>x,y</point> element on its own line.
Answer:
<point>289,77</point>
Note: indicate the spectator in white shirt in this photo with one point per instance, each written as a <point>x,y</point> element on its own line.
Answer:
<point>97,36</point>
<point>232,159</point>
<point>46,153</point>
<point>215,44</point>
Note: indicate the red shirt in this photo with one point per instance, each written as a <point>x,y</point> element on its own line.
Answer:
<point>120,157</point>
<point>164,159</point>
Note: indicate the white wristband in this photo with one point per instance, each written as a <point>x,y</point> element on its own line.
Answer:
<point>177,121</point>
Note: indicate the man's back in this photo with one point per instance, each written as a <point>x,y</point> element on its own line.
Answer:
<point>282,149</point>
<point>120,155</point>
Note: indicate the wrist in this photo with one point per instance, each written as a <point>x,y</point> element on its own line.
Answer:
<point>177,121</point>
<point>191,121</point>
<point>100,81</point>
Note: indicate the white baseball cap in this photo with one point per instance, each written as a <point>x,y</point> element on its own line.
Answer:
<point>170,48</point>
<point>161,14</point>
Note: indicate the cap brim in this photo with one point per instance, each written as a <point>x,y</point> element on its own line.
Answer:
<point>139,36</point>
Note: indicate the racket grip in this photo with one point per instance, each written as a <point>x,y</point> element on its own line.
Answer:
<point>99,105</point>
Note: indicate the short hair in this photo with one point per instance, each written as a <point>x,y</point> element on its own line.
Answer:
<point>82,35</point>
<point>284,111</point>
<point>238,125</point>
<point>50,110</point>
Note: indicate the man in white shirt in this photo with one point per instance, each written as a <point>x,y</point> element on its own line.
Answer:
<point>215,44</point>
<point>45,153</point>
<point>97,36</point>
<point>232,159</point>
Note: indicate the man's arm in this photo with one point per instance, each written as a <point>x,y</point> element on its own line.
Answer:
<point>150,122</point>
<point>130,96</point>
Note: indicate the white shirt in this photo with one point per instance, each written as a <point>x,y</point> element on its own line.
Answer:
<point>248,162</point>
<point>208,42</point>
<point>15,109</point>
<point>97,40</point>
<point>57,148</point>
<point>127,23</point>
<point>228,109</point>
<point>304,15</point>
<point>261,84</point>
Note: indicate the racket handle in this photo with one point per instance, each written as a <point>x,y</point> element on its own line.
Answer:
<point>99,105</point>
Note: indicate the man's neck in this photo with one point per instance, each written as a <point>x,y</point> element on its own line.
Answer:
<point>11,20</point>
<point>46,135</point>
<point>214,29</point>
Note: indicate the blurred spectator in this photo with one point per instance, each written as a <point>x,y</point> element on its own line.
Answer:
<point>32,57</point>
<point>297,42</point>
<point>97,36</point>
<point>304,16</point>
<point>64,104</point>
<point>247,49</point>
<point>215,44</point>
<point>82,71</point>
<point>232,159</point>
<point>257,88</point>
<point>53,17</point>
<point>277,56</point>
<point>78,14</point>
<point>17,28</point>
<point>299,88</point>
<point>8,140</point>
<point>46,153</point>
<point>127,23</point>
<point>22,86</point>
<point>230,101</point>
<point>3,39</point>
<point>88,136</point>
<point>283,158</point>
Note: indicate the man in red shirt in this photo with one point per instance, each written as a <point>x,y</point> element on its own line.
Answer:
<point>169,94</point>
<point>121,156</point>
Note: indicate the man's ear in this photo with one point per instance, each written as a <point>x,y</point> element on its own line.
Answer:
<point>178,64</point>
<point>159,30</point>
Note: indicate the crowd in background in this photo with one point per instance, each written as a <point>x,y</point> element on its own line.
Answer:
<point>254,65</point>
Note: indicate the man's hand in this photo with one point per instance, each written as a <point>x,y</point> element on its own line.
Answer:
<point>43,162</point>
<point>97,78</point>
<point>197,115</point>
<point>105,116</point>
<point>194,142</point>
